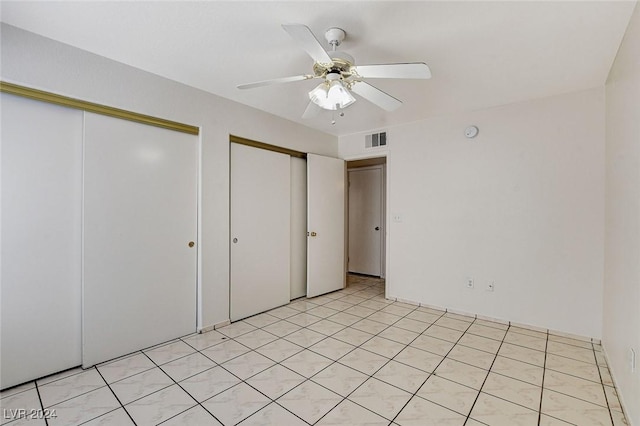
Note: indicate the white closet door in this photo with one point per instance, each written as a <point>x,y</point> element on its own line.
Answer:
<point>326,224</point>
<point>260,230</point>
<point>140,208</point>
<point>41,224</point>
<point>365,221</point>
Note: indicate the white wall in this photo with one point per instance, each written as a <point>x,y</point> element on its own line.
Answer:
<point>522,204</point>
<point>621,329</point>
<point>38,62</point>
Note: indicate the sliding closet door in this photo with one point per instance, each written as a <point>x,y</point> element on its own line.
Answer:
<point>260,230</point>
<point>40,325</point>
<point>139,286</point>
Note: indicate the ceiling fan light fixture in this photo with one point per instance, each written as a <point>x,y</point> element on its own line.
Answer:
<point>331,95</point>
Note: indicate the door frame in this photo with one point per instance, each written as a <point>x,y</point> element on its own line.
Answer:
<point>383,196</point>
<point>386,273</point>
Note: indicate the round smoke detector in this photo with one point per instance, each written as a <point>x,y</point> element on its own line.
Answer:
<point>471,132</point>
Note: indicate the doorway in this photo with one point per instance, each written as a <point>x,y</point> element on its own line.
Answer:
<point>366,216</point>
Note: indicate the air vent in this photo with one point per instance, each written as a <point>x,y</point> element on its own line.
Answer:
<point>376,139</point>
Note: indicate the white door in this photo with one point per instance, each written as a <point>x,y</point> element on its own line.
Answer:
<point>140,212</point>
<point>260,230</point>
<point>325,224</point>
<point>365,221</point>
<point>40,325</point>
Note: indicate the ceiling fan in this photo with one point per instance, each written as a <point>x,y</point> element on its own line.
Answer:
<point>341,75</point>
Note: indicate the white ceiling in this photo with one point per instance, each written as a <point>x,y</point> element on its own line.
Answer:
<point>481,54</point>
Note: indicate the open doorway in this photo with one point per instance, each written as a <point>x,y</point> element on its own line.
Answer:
<point>367,216</point>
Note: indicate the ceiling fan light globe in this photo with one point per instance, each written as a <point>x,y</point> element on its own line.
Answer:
<point>339,95</point>
<point>319,96</point>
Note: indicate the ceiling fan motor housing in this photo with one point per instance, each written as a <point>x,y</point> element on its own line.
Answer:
<point>341,62</point>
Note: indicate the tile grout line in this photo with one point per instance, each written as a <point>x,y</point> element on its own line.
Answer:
<point>343,398</point>
<point>46,421</point>
<point>35,385</point>
<point>284,366</point>
<point>309,378</point>
<point>544,373</point>
<point>73,397</point>
<point>117,399</point>
<point>374,335</point>
<point>369,376</point>
<point>433,373</point>
<point>61,378</point>
<point>487,376</point>
<point>333,361</point>
<point>560,356</point>
<point>606,398</point>
<point>245,380</point>
<point>443,315</point>
<point>325,337</point>
<point>180,386</point>
<point>301,327</point>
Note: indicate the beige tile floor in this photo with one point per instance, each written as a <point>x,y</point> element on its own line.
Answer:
<point>345,358</point>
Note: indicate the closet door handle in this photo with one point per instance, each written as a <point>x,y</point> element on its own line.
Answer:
<point>377,228</point>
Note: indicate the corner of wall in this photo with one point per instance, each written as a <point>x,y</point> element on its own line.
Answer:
<point>621,289</point>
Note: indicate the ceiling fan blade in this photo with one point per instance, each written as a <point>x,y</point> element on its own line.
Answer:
<point>308,42</point>
<point>376,96</point>
<point>411,70</point>
<point>311,111</point>
<point>275,81</point>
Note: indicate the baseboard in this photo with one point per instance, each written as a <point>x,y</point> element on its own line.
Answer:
<point>214,326</point>
<point>623,404</point>
<point>205,329</point>
<point>222,324</point>
<point>408,302</point>
<point>499,320</point>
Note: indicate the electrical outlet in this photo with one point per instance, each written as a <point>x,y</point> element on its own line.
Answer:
<point>491,286</point>
<point>397,217</point>
<point>469,282</point>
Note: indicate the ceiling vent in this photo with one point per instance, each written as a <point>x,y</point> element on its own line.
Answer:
<point>376,139</point>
